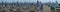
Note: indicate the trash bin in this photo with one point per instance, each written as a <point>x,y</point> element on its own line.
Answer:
<point>52,9</point>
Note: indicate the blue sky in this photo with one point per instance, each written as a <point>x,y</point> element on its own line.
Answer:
<point>43,1</point>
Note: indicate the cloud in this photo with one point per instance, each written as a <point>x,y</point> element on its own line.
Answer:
<point>29,0</point>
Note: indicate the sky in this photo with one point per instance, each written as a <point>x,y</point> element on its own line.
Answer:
<point>43,1</point>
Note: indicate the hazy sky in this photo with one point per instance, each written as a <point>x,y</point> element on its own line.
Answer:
<point>43,1</point>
